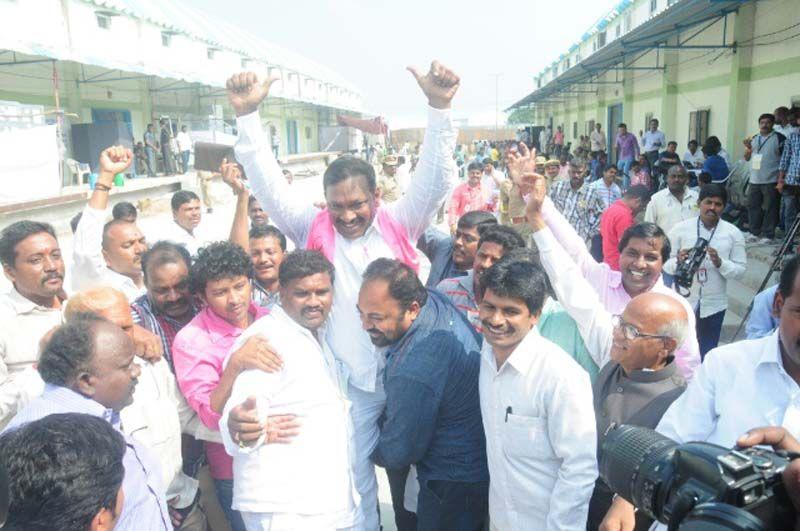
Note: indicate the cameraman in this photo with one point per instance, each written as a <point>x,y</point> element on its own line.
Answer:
<point>724,259</point>
<point>749,383</point>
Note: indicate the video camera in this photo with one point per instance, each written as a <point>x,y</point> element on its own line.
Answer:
<point>684,274</point>
<point>697,485</point>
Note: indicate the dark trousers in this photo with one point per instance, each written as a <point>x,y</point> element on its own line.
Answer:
<point>224,488</point>
<point>708,331</point>
<point>762,210</point>
<point>452,505</point>
<point>596,249</point>
<point>403,519</point>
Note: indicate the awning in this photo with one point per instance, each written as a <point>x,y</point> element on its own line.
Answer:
<point>675,20</point>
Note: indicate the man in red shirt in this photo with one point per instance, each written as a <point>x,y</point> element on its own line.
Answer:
<point>618,217</point>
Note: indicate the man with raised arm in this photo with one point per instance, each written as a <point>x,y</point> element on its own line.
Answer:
<point>352,232</point>
<point>644,248</point>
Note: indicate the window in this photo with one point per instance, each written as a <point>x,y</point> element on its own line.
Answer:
<point>539,83</point>
<point>166,39</point>
<point>245,62</point>
<point>627,23</point>
<point>618,30</point>
<point>555,71</point>
<point>577,58</point>
<point>211,53</point>
<point>589,127</point>
<point>566,65</point>
<point>103,20</point>
<point>574,129</point>
<point>698,126</point>
<point>601,39</point>
<point>647,117</point>
<point>653,6</point>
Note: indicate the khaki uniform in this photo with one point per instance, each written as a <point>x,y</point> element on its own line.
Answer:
<point>389,187</point>
<point>512,210</point>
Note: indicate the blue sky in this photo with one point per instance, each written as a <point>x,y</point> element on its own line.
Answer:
<point>371,42</point>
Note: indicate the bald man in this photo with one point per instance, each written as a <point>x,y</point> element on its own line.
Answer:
<point>638,377</point>
<point>158,414</point>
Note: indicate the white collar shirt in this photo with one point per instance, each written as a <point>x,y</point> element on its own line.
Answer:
<point>89,268</point>
<point>292,212</point>
<point>184,141</point>
<point>313,475</point>
<point>694,159</point>
<point>653,141</point>
<point>666,211</point>
<point>597,141</point>
<point>709,289</point>
<point>192,241</point>
<point>23,323</point>
<point>541,438</point>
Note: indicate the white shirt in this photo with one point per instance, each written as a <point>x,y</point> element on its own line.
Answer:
<point>597,141</point>
<point>694,160</point>
<point>156,419</point>
<point>193,241</point>
<point>709,288</point>
<point>785,130</point>
<point>184,141</point>
<point>293,213</point>
<point>653,141</point>
<point>312,475</point>
<point>738,387</point>
<point>666,211</point>
<point>23,323</point>
<point>541,437</point>
<point>89,268</point>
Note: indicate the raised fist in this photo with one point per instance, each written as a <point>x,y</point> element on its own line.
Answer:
<point>114,160</point>
<point>440,84</point>
<point>232,176</point>
<point>246,92</point>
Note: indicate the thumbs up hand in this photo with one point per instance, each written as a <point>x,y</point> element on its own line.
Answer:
<point>246,92</point>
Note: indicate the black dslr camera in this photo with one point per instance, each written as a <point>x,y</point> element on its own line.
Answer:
<point>697,486</point>
<point>684,274</point>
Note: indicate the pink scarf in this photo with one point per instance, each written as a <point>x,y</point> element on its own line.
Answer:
<point>322,237</point>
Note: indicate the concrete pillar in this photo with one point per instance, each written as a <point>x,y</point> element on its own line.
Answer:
<point>739,94</point>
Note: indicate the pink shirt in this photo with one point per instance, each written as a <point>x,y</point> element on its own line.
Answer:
<point>608,284</point>
<point>466,199</point>
<point>616,220</point>
<point>197,353</point>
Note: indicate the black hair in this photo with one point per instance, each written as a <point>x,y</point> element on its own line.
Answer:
<point>73,223</point>
<point>622,124</point>
<point>70,350</point>
<point>252,199</point>
<point>124,210</point>
<point>63,469</point>
<point>692,141</point>
<point>181,197</point>
<point>645,231</point>
<point>301,264</point>
<point>517,279</point>
<point>638,191</point>
<point>404,286</point>
<point>502,235</point>
<point>788,274</point>
<point>268,232</point>
<point>672,143</point>
<point>217,261</point>
<point>162,253</point>
<point>346,167</point>
<point>610,167</point>
<point>711,146</point>
<point>476,218</point>
<point>704,178</point>
<point>12,235</point>
<point>654,120</point>
<point>767,115</point>
<point>713,190</point>
<point>487,160</point>
<point>474,165</point>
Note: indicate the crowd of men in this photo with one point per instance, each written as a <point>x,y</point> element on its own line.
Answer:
<point>484,388</point>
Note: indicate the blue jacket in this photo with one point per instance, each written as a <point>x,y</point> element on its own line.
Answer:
<point>716,167</point>
<point>433,416</point>
<point>438,247</point>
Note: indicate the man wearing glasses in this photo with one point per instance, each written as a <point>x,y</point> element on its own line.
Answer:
<point>638,377</point>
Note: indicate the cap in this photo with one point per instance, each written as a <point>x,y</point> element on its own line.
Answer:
<point>390,160</point>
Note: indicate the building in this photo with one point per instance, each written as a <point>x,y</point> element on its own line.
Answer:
<point>702,67</point>
<point>136,61</point>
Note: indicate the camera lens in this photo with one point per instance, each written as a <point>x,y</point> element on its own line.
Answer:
<point>629,464</point>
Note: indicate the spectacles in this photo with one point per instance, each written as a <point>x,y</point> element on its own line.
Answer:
<point>629,331</point>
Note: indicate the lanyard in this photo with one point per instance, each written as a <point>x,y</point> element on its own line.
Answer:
<point>712,232</point>
<point>761,143</point>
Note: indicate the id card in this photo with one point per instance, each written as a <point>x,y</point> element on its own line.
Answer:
<point>702,275</point>
<point>755,161</point>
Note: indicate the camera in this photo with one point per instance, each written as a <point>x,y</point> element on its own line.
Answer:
<point>684,274</point>
<point>697,485</point>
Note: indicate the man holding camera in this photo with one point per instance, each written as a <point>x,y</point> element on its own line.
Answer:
<point>725,258</point>
<point>739,387</point>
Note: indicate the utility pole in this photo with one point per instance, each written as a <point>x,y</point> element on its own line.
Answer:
<point>496,101</point>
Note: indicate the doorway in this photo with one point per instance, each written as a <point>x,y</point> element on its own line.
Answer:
<point>614,119</point>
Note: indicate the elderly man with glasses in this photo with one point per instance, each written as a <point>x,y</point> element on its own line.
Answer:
<point>635,351</point>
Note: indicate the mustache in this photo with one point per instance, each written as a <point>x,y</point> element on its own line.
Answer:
<point>309,309</point>
<point>51,276</point>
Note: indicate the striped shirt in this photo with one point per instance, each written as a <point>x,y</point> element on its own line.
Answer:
<point>148,317</point>
<point>581,207</point>
<point>461,292</point>
<point>790,159</point>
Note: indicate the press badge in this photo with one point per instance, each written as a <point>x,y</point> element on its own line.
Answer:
<point>702,275</point>
<point>755,161</point>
